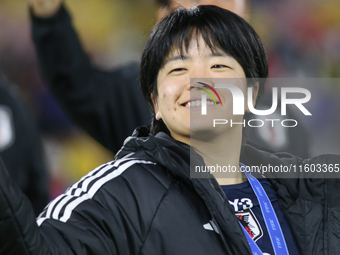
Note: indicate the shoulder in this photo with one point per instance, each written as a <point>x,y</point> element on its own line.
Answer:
<point>129,177</point>
<point>324,158</point>
<point>128,182</point>
<point>255,156</point>
<point>114,205</point>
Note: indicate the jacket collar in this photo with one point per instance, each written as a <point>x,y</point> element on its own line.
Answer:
<point>175,156</point>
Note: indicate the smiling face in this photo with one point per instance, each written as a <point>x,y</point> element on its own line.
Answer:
<point>171,57</point>
<point>177,100</point>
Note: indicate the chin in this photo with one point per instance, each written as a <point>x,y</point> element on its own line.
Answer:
<point>200,122</point>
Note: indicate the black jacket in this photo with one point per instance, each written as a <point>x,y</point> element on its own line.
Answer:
<point>20,146</point>
<point>109,105</point>
<point>145,202</point>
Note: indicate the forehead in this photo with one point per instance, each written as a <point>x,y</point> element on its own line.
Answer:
<point>195,46</point>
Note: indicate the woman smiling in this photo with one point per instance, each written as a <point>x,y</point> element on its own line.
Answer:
<point>144,202</point>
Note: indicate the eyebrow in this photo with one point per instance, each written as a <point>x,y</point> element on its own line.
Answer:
<point>187,57</point>
<point>176,57</point>
<point>218,54</point>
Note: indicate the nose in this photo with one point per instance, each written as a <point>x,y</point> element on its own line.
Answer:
<point>199,75</point>
<point>199,70</point>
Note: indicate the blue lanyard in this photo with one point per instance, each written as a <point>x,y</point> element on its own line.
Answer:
<point>273,226</point>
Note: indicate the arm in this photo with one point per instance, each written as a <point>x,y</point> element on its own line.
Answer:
<point>22,153</point>
<point>90,229</point>
<point>107,105</point>
<point>19,233</point>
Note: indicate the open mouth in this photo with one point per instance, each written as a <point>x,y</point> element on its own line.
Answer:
<point>197,103</point>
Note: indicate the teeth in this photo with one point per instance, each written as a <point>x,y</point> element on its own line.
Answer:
<point>198,103</point>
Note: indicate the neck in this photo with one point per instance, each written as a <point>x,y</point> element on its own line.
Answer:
<point>221,155</point>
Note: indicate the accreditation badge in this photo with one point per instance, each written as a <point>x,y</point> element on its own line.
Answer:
<point>7,133</point>
<point>250,223</point>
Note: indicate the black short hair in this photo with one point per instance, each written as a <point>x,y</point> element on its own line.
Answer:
<point>220,29</point>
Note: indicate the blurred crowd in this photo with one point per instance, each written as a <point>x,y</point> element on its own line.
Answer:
<point>302,39</point>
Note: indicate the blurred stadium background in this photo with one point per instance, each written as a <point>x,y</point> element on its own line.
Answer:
<point>302,39</point>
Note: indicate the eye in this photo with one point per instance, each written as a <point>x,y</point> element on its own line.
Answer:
<point>219,66</point>
<point>177,70</point>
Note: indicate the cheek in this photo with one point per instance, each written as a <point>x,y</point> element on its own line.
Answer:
<point>170,89</point>
<point>165,102</point>
<point>168,94</point>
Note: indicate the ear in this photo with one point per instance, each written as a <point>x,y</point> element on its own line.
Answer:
<point>254,95</point>
<point>156,107</point>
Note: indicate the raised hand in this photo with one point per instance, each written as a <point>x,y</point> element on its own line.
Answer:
<point>44,8</point>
